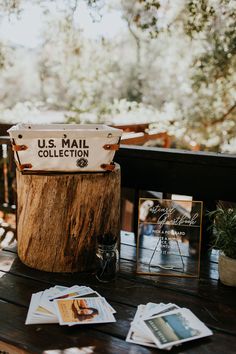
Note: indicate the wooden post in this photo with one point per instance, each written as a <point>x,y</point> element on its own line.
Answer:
<point>60,216</point>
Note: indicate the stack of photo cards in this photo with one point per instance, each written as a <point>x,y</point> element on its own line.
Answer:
<point>69,306</point>
<point>165,325</point>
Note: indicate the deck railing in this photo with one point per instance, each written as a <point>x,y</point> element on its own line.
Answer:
<point>205,176</point>
<point>7,175</point>
<point>7,193</point>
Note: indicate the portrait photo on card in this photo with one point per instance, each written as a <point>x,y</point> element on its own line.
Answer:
<point>169,237</point>
<point>83,310</point>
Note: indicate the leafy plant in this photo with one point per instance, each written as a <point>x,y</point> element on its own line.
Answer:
<point>224,230</point>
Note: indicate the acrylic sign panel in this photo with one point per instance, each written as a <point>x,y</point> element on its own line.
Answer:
<point>169,237</point>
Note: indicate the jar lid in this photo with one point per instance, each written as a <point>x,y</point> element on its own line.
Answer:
<point>107,248</point>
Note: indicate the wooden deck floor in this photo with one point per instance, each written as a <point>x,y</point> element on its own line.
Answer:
<point>211,301</point>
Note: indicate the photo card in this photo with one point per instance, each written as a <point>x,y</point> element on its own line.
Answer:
<point>80,304</point>
<point>138,334</point>
<point>175,327</point>
<point>83,311</point>
<point>36,314</point>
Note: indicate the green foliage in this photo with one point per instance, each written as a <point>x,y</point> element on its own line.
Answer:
<point>144,15</point>
<point>200,12</point>
<point>2,60</point>
<point>177,56</point>
<point>218,29</point>
<point>212,24</point>
<point>10,6</point>
<point>224,230</point>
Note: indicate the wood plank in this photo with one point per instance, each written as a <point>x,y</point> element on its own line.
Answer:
<point>208,269</point>
<point>124,295</point>
<point>8,348</point>
<point>37,338</point>
<point>203,288</point>
<point>129,293</point>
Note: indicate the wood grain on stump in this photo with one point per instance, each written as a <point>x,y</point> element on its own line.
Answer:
<point>60,216</point>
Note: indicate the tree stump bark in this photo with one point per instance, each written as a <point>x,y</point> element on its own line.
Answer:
<point>60,217</point>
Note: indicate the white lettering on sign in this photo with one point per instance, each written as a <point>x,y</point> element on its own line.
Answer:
<point>166,216</point>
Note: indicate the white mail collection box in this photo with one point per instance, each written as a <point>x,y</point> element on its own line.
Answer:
<point>64,147</point>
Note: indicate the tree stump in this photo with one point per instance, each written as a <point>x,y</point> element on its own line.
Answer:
<point>60,216</point>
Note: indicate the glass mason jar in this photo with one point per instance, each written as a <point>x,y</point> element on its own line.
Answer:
<point>107,262</point>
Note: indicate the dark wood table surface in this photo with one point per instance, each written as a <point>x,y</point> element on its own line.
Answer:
<point>210,300</point>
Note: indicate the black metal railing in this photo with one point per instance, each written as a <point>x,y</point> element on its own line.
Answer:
<point>7,192</point>
<point>205,176</point>
<point>7,176</point>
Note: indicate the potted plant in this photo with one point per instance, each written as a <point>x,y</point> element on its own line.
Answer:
<point>224,238</point>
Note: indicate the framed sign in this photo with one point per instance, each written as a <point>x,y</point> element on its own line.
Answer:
<point>169,237</point>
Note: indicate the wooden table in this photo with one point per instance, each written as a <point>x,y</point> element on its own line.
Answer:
<point>211,301</point>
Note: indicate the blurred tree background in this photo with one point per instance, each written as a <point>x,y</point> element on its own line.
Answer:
<point>169,63</point>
